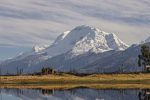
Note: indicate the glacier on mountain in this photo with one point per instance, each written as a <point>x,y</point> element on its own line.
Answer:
<point>83,39</point>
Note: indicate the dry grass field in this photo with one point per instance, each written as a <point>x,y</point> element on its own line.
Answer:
<point>71,81</point>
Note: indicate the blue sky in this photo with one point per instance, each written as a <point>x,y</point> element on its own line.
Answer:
<point>24,23</point>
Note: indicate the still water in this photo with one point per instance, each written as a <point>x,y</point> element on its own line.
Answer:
<point>74,94</point>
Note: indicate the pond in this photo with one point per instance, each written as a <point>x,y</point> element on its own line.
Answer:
<point>74,94</point>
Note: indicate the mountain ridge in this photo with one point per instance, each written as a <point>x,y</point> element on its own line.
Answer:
<point>84,49</point>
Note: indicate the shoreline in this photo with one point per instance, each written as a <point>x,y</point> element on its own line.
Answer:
<point>72,86</point>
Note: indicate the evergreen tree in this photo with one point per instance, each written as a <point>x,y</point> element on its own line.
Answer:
<point>47,71</point>
<point>144,58</point>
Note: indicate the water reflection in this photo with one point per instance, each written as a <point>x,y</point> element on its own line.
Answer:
<point>74,94</point>
<point>144,94</point>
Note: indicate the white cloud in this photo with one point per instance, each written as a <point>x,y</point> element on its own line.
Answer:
<point>29,22</point>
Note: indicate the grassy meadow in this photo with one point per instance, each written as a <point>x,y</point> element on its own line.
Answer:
<point>71,81</point>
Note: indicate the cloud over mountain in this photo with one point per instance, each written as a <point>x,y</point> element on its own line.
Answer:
<point>41,20</point>
<point>30,22</point>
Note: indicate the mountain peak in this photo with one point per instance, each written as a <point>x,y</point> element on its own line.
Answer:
<point>79,40</point>
<point>85,38</point>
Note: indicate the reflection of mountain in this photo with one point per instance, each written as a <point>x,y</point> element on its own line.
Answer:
<point>72,94</point>
<point>25,94</point>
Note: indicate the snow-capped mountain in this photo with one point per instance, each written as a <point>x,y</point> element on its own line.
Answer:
<point>90,62</point>
<point>80,42</point>
<point>83,39</point>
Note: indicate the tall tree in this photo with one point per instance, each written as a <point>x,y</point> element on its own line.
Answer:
<point>144,58</point>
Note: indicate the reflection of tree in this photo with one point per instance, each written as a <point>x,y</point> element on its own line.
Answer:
<point>144,94</point>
